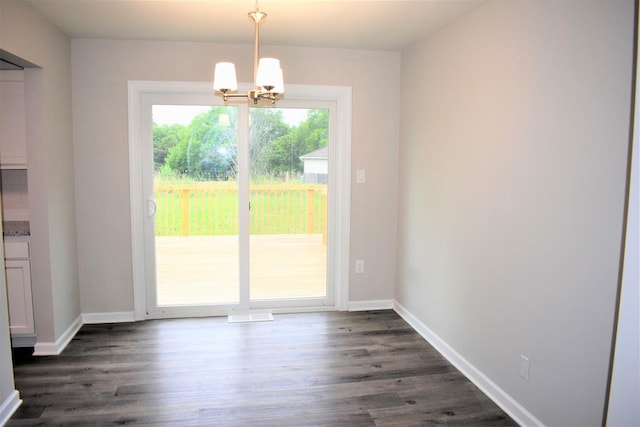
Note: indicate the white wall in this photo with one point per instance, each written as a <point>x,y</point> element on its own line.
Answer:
<point>7,386</point>
<point>101,69</point>
<point>26,34</point>
<point>624,407</point>
<point>512,182</point>
<point>9,398</point>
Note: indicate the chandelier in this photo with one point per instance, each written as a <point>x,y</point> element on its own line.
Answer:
<point>268,83</point>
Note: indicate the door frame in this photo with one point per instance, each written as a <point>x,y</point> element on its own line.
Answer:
<point>340,151</point>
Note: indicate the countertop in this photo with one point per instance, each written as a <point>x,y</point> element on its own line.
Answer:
<point>15,228</point>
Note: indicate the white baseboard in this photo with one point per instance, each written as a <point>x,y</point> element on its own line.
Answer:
<point>9,406</point>
<point>381,304</point>
<point>488,387</point>
<point>114,317</point>
<point>55,348</point>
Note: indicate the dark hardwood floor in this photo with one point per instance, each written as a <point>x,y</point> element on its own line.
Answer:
<point>311,369</point>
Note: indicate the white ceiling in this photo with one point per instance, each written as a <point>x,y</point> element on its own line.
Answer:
<point>354,24</point>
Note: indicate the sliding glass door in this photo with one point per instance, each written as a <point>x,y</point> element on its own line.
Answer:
<point>237,213</point>
<point>195,184</point>
<point>288,188</point>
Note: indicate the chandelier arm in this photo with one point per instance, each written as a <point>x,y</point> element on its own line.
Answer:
<point>271,96</point>
<point>252,95</point>
<point>235,95</point>
<point>226,95</point>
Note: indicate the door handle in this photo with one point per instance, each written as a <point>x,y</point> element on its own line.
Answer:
<point>152,208</point>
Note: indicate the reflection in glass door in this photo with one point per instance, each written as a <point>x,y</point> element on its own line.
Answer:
<point>289,167</point>
<point>195,158</point>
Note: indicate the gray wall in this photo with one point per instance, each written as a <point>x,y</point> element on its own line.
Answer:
<point>512,177</point>
<point>101,69</point>
<point>50,160</point>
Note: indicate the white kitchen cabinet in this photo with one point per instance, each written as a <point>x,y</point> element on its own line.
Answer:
<point>19,295</point>
<point>18,273</point>
<point>13,141</point>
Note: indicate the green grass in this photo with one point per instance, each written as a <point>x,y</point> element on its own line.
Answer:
<point>214,211</point>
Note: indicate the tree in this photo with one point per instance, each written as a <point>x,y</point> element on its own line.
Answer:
<point>266,126</point>
<point>208,149</point>
<point>165,137</point>
<point>283,155</point>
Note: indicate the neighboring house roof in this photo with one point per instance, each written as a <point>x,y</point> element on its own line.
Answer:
<point>319,154</point>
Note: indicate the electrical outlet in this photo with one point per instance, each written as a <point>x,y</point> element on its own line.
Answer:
<point>524,367</point>
<point>361,176</point>
<point>359,266</point>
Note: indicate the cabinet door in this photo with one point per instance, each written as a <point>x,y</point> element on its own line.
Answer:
<point>13,145</point>
<point>19,295</point>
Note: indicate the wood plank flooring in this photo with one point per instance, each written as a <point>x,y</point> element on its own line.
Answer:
<point>309,369</point>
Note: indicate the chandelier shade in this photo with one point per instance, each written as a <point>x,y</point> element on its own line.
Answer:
<point>269,74</point>
<point>225,77</point>
<point>268,81</point>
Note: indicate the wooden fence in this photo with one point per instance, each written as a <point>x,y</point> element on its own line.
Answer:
<point>212,209</point>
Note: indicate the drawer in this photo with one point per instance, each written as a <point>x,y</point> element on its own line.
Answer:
<point>16,250</point>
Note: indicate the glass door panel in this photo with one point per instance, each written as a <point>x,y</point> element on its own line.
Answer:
<point>195,158</point>
<point>288,189</point>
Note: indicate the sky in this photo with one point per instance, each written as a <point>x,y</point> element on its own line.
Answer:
<point>183,114</point>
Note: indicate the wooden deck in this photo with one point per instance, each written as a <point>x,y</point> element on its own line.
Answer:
<point>196,270</point>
